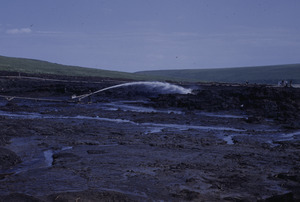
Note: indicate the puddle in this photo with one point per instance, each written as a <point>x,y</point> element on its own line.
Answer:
<point>272,144</point>
<point>27,115</point>
<point>66,148</point>
<point>154,130</point>
<point>32,156</point>
<point>186,127</point>
<point>271,138</point>
<point>222,115</point>
<point>228,139</point>
<point>288,136</point>
<point>24,115</point>
<point>48,154</point>
<point>132,108</point>
<point>275,139</point>
<point>97,118</point>
<point>157,126</point>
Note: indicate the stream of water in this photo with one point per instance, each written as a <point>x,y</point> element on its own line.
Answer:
<point>162,87</point>
<point>156,126</point>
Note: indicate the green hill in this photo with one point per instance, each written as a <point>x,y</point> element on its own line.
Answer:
<point>257,74</point>
<point>42,67</point>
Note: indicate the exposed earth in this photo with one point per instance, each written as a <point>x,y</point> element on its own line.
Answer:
<point>222,142</point>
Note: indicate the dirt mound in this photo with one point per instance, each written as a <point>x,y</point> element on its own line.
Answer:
<point>281,104</point>
<point>18,197</point>
<point>8,159</point>
<point>220,143</point>
<point>89,196</point>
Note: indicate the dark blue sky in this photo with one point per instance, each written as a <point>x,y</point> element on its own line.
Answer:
<point>134,35</point>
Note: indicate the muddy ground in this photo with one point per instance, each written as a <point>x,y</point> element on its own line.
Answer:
<point>137,143</point>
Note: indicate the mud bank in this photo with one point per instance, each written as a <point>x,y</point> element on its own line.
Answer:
<point>221,143</point>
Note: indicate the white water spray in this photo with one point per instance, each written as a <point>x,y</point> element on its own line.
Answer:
<point>163,87</point>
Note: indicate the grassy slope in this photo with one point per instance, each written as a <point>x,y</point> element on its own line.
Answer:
<point>43,67</point>
<point>259,74</point>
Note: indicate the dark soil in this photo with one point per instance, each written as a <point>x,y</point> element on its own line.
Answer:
<point>220,143</point>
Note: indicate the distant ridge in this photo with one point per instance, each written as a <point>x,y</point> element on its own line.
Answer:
<point>32,66</point>
<point>257,74</point>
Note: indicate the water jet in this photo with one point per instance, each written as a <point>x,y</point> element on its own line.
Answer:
<point>152,85</point>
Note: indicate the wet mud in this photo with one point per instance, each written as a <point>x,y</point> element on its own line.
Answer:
<point>219,143</point>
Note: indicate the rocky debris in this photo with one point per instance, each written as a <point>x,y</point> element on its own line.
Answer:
<point>63,158</point>
<point>96,151</point>
<point>187,195</point>
<point>288,197</point>
<point>281,104</point>
<point>8,159</point>
<point>86,142</point>
<point>90,196</point>
<point>71,196</point>
<point>288,176</point>
<point>19,197</point>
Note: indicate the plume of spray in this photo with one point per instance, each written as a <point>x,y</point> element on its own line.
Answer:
<point>152,85</point>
